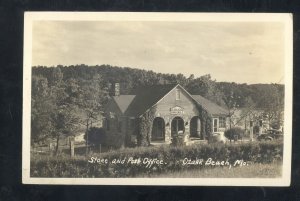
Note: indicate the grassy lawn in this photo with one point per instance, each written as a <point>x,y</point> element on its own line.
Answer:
<point>165,161</point>
<point>252,171</point>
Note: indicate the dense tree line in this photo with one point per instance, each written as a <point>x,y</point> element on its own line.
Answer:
<point>129,78</point>
<point>64,97</point>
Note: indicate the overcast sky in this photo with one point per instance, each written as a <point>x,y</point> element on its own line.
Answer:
<point>251,52</point>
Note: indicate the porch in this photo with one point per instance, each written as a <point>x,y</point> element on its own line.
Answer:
<point>162,132</point>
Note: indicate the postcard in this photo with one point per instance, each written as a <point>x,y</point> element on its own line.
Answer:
<point>188,99</point>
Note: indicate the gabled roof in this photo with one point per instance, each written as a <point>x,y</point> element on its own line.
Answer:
<point>123,101</point>
<point>146,97</point>
<point>209,106</point>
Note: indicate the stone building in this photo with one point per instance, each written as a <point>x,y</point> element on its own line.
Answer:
<point>154,114</point>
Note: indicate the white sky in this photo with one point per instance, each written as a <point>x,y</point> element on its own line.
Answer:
<point>250,52</point>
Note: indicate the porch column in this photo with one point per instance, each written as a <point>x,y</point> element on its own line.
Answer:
<point>198,127</point>
<point>167,130</point>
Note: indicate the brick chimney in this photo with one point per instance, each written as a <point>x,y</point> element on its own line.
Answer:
<point>117,89</point>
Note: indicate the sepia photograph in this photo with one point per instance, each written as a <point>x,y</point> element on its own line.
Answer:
<point>197,99</point>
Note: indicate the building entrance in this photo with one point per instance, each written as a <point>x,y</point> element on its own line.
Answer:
<point>177,126</point>
<point>195,128</point>
<point>158,129</point>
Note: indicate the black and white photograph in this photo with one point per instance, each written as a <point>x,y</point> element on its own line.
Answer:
<point>192,99</point>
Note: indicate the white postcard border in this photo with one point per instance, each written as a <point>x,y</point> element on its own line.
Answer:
<point>30,17</point>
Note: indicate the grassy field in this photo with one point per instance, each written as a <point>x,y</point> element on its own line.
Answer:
<point>253,171</point>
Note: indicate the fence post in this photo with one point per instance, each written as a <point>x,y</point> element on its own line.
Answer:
<point>51,148</point>
<point>251,130</point>
<point>72,148</point>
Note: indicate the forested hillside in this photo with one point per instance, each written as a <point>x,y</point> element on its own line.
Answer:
<point>258,95</point>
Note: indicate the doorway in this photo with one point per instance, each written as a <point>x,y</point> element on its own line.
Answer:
<point>177,126</point>
<point>195,127</point>
<point>158,129</point>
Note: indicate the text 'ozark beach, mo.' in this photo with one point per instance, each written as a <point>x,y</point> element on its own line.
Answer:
<point>149,97</point>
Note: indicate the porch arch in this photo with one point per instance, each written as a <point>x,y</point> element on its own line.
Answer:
<point>177,126</point>
<point>158,129</point>
<point>195,127</point>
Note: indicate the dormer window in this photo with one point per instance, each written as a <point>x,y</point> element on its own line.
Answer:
<point>177,94</point>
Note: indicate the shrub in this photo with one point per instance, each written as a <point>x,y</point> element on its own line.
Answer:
<point>275,125</point>
<point>96,136</point>
<point>178,140</point>
<point>266,152</point>
<point>234,133</point>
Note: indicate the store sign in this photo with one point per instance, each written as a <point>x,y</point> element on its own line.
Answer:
<point>176,110</point>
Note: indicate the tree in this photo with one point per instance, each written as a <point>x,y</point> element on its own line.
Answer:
<point>271,100</point>
<point>93,95</point>
<point>231,101</point>
<point>64,118</point>
<point>205,87</point>
<point>41,106</point>
<point>64,123</point>
<point>181,79</point>
<point>246,112</point>
<point>54,113</point>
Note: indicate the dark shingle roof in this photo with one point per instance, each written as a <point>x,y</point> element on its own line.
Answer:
<point>209,106</point>
<point>146,97</point>
<point>123,101</point>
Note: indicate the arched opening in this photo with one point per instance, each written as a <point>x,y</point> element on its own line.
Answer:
<point>177,126</point>
<point>158,129</point>
<point>195,128</point>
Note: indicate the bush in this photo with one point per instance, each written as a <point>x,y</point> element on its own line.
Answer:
<point>96,136</point>
<point>234,133</point>
<point>173,157</point>
<point>178,140</point>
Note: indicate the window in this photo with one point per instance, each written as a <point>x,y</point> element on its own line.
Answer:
<point>107,124</point>
<point>222,122</point>
<point>119,126</point>
<point>131,123</point>
<point>177,94</point>
<point>104,123</point>
<point>215,125</point>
